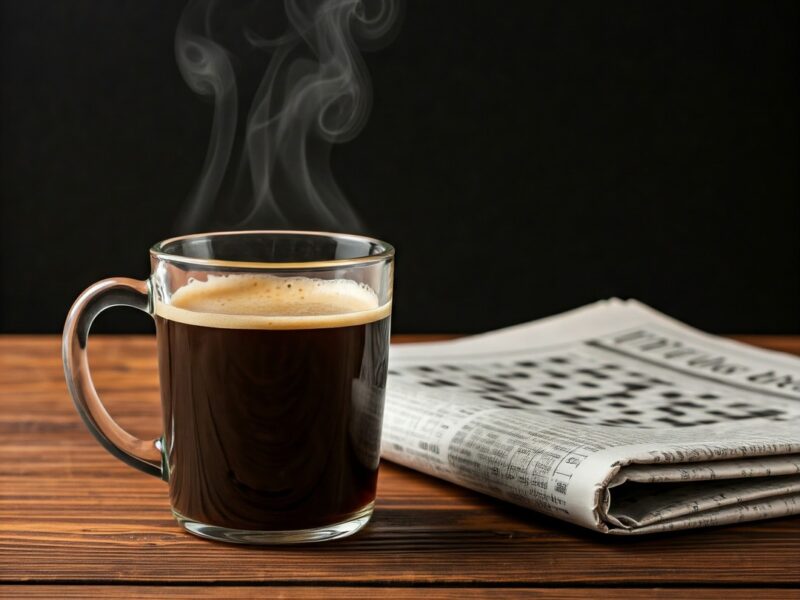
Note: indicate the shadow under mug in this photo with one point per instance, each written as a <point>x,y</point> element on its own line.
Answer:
<point>272,357</point>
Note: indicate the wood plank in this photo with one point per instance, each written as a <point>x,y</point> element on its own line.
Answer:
<point>346,593</point>
<point>69,512</point>
<point>781,343</point>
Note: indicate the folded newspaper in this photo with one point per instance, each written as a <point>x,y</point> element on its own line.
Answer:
<point>612,416</point>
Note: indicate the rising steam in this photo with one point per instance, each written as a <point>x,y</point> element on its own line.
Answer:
<point>314,92</point>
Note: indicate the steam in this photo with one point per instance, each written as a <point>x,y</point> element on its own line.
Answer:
<point>314,92</point>
<point>206,67</point>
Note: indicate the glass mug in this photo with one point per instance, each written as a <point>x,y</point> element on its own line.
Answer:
<point>272,357</point>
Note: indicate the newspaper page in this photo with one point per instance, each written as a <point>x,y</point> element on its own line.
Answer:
<point>612,416</point>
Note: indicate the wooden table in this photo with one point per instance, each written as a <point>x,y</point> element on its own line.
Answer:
<point>76,522</point>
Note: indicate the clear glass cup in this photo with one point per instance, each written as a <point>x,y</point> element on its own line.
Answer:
<point>272,354</point>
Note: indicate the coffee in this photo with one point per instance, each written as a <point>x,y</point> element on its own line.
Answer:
<point>272,389</point>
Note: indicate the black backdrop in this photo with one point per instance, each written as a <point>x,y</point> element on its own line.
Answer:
<point>525,157</point>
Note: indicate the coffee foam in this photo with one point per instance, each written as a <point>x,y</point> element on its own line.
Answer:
<point>245,301</point>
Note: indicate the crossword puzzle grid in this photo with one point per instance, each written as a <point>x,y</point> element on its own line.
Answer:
<point>582,389</point>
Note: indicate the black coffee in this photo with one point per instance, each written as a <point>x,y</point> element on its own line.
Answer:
<point>273,397</point>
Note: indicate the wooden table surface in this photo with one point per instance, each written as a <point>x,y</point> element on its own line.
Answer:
<point>74,521</point>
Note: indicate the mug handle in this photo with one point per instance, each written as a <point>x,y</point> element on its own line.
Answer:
<point>145,455</point>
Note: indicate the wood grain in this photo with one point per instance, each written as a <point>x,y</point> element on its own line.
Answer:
<point>346,593</point>
<point>71,513</point>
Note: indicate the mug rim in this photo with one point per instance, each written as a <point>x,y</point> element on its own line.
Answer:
<point>159,252</point>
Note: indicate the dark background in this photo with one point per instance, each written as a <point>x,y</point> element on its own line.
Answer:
<point>524,157</point>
